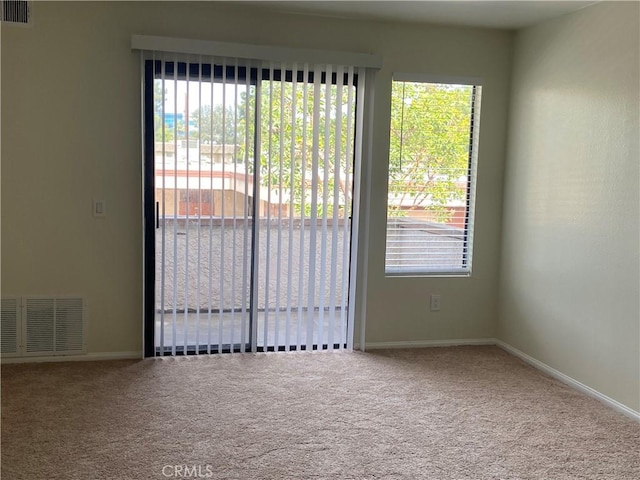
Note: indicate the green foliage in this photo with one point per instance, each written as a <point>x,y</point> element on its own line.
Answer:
<point>428,154</point>
<point>429,145</point>
<point>214,124</point>
<point>288,144</point>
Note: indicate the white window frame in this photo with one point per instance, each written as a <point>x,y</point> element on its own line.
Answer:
<point>466,269</point>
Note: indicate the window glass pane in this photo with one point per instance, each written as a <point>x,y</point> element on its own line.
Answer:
<point>431,178</point>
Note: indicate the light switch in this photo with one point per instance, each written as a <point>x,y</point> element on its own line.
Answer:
<point>435,302</point>
<point>99,208</point>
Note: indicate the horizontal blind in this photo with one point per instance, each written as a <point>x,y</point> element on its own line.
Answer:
<point>432,175</point>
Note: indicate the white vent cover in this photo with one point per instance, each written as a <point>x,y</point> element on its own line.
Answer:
<point>9,326</point>
<point>53,325</point>
<point>15,12</point>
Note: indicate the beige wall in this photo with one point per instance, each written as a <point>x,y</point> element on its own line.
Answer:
<point>71,132</point>
<point>570,268</point>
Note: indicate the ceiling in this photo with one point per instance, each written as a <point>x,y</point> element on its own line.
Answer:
<point>494,14</point>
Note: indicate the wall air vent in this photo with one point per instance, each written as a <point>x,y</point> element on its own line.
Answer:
<point>9,327</point>
<point>15,12</point>
<point>53,325</point>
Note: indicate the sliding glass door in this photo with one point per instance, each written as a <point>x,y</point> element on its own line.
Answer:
<point>248,198</point>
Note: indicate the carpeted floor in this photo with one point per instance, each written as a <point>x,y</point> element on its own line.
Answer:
<point>440,413</point>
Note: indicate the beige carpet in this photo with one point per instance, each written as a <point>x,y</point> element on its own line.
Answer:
<point>441,413</point>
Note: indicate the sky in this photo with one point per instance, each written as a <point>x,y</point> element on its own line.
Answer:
<point>200,94</point>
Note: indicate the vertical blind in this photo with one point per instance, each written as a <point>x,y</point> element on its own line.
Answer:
<point>253,179</point>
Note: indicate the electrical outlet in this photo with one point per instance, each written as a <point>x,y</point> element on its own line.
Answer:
<point>435,302</point>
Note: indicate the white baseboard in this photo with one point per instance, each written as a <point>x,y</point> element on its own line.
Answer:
<point>430,343</point>
<point>570,381</point>
<point>377,346</point>
<point>523,356</point>
<point>89,357</point>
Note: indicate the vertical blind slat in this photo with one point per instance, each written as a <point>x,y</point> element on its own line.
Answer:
<point>287,345</point>
<point>314,209</point>
<point>175,217</point>
<point>199,220</point>
<point>355,215</point>
<point>163,246</point>
<point>347,207</point>
<point>303,176</point>
<point>334,223</point>
<point>257,154</point>
<point>325,206</point>
<point>268,226</point>
<point>185,329</point>
<point>279,237</point>
<point>245,238</point>
<point>211,214</point>
<point>222,208</point>
<point>235,190</point>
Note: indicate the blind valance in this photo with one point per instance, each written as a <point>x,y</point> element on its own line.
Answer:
<point>253,52</point>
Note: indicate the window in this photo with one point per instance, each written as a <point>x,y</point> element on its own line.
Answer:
<point>432,170</point>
